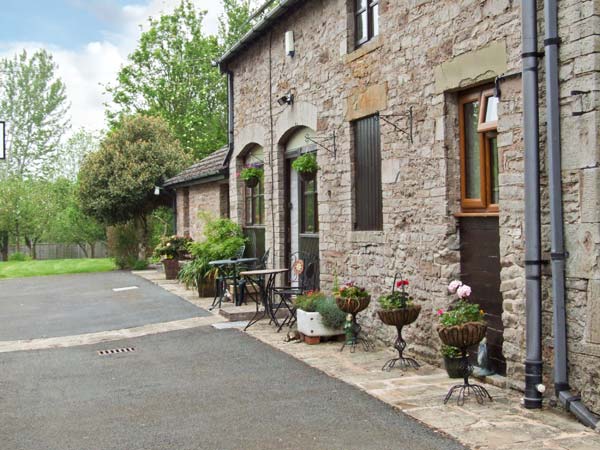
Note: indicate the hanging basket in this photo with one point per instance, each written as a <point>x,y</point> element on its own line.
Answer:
<point>352,305</point>
<point>307,176</point>
<point>252,182</point>
<point>462,336</point>
<point>171,268</point>
<point>399,317</point>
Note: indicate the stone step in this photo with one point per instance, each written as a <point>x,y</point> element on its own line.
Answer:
<point>244,312</point>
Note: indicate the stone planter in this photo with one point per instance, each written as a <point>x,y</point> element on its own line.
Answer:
<point>311,324</point>
<point>462,336</point>
<point>352,305</point>
<point>171,268</point>
<point>399,317</point>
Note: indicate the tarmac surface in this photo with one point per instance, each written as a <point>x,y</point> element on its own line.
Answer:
<point>199,388</point>
<point>64,305</point>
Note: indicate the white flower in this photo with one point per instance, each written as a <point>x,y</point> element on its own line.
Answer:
<point>463,291</point>
<point>454,285</point>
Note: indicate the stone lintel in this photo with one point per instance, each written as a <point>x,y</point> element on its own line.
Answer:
<point>365,102</point>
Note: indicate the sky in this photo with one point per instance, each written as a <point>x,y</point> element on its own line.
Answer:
<point>89,40</point>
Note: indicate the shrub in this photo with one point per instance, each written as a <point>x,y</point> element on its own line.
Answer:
<point>123,244</point>
<point>140,264</point>
<point>306,163</point>
<point>251,172</point>
<point>315,301</point>
<point>19,256</point>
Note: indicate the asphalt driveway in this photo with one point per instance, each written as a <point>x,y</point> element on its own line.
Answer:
<point>65,305</point>
<point>193,389</point>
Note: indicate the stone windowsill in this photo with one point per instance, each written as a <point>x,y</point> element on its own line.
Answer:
<point>366,237</point>
<point>364,49</point>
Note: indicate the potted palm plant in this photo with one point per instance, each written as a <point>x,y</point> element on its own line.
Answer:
<point>306,166</point>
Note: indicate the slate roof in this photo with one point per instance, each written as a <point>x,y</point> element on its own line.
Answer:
<point>212,165</point>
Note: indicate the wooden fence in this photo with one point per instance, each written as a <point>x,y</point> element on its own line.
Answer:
<point>62,251</point>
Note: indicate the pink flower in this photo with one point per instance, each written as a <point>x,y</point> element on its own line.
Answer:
<point>454,285</point>
<point>440,312</point>
<point>463,291</point>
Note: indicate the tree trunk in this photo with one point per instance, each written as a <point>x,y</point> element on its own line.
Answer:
<point>143,222</point>
<point>17,238</point>
<point>92,250</point>
<point>29,244</point>
<point>4,245</point>
<point>82,246</point>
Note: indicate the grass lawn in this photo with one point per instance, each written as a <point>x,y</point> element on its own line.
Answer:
<point>17,269</point>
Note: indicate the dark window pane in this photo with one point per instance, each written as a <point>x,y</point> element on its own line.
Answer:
<point>472,155</point>
<point>493,146</point>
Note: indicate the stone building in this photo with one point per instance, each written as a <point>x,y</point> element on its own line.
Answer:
<point>201,188</point>
<point>415,111</point>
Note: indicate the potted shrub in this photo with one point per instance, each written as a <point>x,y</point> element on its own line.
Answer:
<point>252,174</point>
<point>462,325</point>
<point>306,166</point>
<point>170,250</point>
<point>318,315</point>
<point>452,361</point>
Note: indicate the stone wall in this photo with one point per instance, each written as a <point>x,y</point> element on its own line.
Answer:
<point>208,198</point>
<point>426,51</point>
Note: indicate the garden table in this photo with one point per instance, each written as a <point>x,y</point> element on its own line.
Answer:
<point>228,269</point>
<point>264,279</point>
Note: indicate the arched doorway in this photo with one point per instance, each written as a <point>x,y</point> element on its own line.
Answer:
<point>301,200</point>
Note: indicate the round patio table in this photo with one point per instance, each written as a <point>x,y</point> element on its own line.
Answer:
<point>264,279</point>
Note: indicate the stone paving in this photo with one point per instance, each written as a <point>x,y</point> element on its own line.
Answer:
<point>502,424</point>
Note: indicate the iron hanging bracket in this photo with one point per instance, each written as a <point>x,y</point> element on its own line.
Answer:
<point>408,131</point>
<point>320,142</point>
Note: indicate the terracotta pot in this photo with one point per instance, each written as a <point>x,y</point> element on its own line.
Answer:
<point>399,317</point>
<point>171,268</point>
<point>307,176</point>
<point>464,335</point>
<point>252,182</point>
<point>352,305</point>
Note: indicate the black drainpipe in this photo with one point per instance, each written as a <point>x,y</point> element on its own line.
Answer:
<point>230,117</point>
<point>530,55</point>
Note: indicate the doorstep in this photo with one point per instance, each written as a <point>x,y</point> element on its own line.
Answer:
<point>502,424</point>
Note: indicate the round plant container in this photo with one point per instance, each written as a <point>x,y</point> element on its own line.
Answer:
<point>311,324</point>
<point>462,336</point>
<point>399,317</point>
<point>352,305</point>
<point>171,268</point>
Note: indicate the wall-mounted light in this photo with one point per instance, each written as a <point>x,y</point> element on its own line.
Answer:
<point>289,43</point>
<point>156,190</point>
<point>287,99</point>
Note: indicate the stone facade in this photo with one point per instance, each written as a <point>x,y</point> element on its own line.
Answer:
<point>425,52</point>
<point>192,201</point>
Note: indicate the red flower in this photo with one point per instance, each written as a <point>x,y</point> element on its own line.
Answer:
<point>405,282</point>
<point>399,283</point>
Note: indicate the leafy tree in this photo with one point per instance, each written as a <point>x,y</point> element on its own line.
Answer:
<point>34,106</point>
<point>171,75</point>
<point>234,23</point>
<point>72,153</point>
<point>116,183</point>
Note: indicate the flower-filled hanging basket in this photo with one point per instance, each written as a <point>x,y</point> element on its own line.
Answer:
<point>252,182</point>
<point>400,317</point>
<point>352,305</point>
<point>464,335</point>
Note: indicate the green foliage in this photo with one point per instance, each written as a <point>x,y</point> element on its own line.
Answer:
<point>140,264</point>
<point>316,301</point>
<point>306,163</point>
<point>116,183</point>
<point>20,269</point>
<point>234,23</point>
<point>123,244</point>
<point>396,299</point>
<point>72,153</point>
<point>19,256</point>
<point>461,313</point>
<point>350,290</point>
<point>34,105</point>
<point>170,75</point>
<point>172,247</point>
<point>450,352</point>
<point>161,224</point>
<point>252,173</point>
<point>222,240</point>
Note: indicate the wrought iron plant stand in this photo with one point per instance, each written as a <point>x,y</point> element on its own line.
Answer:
<point>400,318</point>
<point>463,337</point>
<point>353,306</point>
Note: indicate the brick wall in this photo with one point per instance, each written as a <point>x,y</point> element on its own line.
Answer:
<point>208,198</point>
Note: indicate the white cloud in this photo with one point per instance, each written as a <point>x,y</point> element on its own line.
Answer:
<point>86,70</point>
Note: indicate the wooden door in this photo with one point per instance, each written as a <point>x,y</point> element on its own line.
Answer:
<point>480,269</point>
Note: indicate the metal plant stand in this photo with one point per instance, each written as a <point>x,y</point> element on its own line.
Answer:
<point>355,337</point>
<point>401,361</point>
<point>467,389</point>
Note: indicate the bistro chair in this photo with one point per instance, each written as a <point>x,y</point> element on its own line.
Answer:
<point>303,277</point>
<point>248,287</point>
